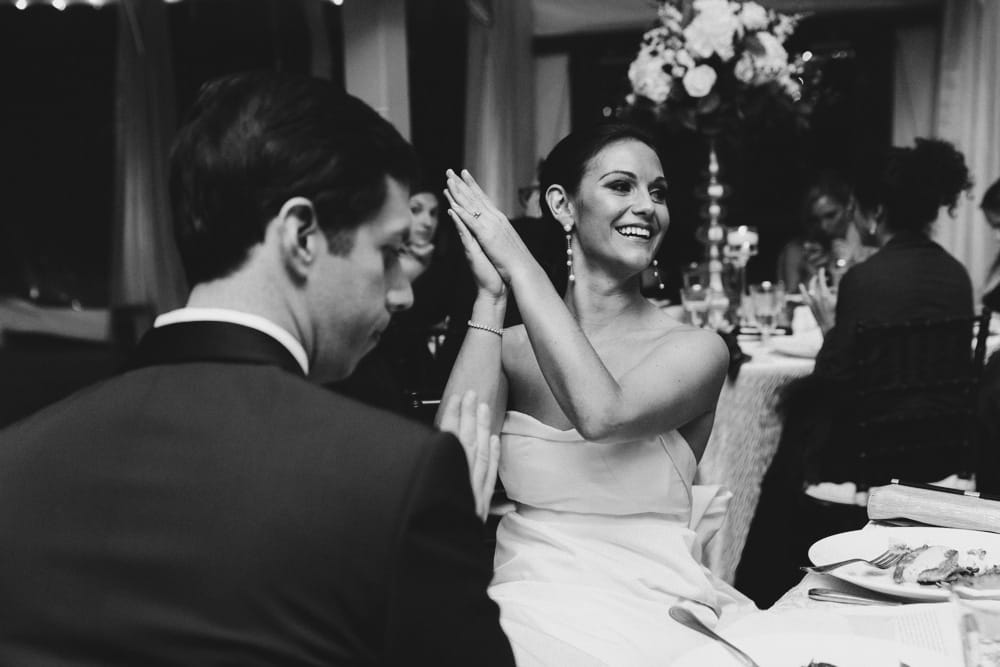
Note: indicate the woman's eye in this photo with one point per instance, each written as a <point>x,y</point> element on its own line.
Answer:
<point>620,186</point>
<point>658,195</point>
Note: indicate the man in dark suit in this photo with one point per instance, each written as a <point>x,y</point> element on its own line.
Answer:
<point>211,506</point>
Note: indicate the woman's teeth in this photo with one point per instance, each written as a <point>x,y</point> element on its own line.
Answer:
<point>634,232</point>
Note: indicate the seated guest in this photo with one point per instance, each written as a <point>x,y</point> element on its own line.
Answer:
<point>990,206</point>
<point>988,475</point>
<point>210,505</point>
<point>910,277</point>
<point>831,237</point>
<point>401,368</point>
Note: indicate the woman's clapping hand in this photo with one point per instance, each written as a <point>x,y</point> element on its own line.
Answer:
<point>469,421</point>
<point>494,249</point>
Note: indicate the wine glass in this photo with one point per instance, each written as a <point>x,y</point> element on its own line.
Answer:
<point>766,301</point>
<point>695,299</point>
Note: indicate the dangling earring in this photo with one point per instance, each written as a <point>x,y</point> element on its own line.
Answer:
<point>656,275</point>
<point>569,252</point>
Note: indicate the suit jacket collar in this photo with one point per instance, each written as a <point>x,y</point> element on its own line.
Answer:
<point>221,342</point>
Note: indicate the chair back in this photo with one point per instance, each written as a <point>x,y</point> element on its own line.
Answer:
<point>914,398</point>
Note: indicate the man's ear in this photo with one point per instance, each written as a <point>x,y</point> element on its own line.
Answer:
<point>561,206</point>
<point>299,236</point>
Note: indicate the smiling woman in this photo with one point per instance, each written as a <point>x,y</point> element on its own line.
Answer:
<point>606,405</point>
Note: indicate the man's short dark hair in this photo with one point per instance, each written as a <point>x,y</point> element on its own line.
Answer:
<point>254,140</point>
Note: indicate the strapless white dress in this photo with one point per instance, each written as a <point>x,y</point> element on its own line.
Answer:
<point>603,541</point>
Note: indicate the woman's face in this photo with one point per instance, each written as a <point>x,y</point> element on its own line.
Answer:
<point>829,216</point>
<point>993,220</point>
<point>424,209</point>
<point>620,206</point>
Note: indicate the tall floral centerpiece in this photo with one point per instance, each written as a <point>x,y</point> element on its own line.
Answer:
<point>716,67</point>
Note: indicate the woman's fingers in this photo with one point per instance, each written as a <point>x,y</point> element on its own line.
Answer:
<point>447,419</point>
<point>484,469</point>
<point>463,195</point>
<point>478,193</point>
<point>469,420</point>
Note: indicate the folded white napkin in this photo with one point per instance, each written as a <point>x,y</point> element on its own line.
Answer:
<point>936,508</point>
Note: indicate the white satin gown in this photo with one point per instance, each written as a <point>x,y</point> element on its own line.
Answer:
<point>604,539</point>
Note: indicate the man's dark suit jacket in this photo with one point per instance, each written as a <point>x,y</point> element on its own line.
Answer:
<point>210,506</point>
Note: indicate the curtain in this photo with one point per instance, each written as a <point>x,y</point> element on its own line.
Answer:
<point>146,270</point>
<point>968,114</point>
<point>914,83</point>
<point>500,109</point>
<point>552,102</point>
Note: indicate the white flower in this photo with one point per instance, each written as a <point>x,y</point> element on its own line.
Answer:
<point>698,82</point>
<point>753,16</point>
<point>712,29</point>
<point>670,16</point>
<point>791,87</point>
<point>773,61</point>
<point>684,59</point>
<point>648,78</point>
<point>784,27</point>
<point>744,69</point>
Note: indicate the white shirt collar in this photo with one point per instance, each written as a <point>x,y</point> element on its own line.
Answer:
<point>261,324</point>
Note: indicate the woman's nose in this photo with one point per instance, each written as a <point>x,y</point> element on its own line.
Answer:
<point>643,204</point>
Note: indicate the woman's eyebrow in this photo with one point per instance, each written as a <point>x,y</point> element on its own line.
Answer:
<point>621,172</point>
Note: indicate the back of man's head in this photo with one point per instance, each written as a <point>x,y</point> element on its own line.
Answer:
<point>253,141</point>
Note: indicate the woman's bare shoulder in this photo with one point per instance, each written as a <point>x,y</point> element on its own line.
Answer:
<point>685,342</point>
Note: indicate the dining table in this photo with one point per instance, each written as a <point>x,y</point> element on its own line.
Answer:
<point>853,617</point>
<point>746,433</point>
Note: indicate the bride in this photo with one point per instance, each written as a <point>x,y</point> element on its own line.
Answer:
<point>606,406</point>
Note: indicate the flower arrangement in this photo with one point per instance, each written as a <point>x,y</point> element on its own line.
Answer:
<point>711,65</point>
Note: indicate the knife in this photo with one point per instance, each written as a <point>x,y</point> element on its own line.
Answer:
<point>830,595</point>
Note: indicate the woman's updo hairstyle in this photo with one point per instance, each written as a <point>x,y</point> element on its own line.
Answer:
<point>567,162</point>
<point>916,182</point>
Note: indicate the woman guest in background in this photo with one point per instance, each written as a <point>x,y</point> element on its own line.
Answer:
<point>400,368</point>
<point>990,206</point>
<point>832,237</point>
<point>988,475</point>
<point>609,405</point>
<point>910,277</point>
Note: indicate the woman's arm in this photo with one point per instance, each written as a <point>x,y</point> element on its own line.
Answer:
<point>677,381</point>
<point>478,365</point>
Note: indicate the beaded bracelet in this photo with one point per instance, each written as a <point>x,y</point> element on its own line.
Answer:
<point>476,325</point>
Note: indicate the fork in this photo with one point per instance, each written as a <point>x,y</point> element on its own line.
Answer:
<point>883,561</point>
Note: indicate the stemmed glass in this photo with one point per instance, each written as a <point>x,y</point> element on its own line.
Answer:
<point>695,298</point>
<point>741,245</point>
<point>766,301</point>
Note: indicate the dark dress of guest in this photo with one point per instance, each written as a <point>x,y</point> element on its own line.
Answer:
<point>988,475</point>
<point>910,277</point>
<point>401,369</point>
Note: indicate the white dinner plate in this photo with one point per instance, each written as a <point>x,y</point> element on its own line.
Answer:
<point>798,649</point>
<point>870,543</point>
<point>800,346</point>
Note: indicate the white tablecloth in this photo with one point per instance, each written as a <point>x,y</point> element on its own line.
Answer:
<point>743,442</point>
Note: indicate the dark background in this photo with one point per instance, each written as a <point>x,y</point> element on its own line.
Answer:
<point>56,120</point>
